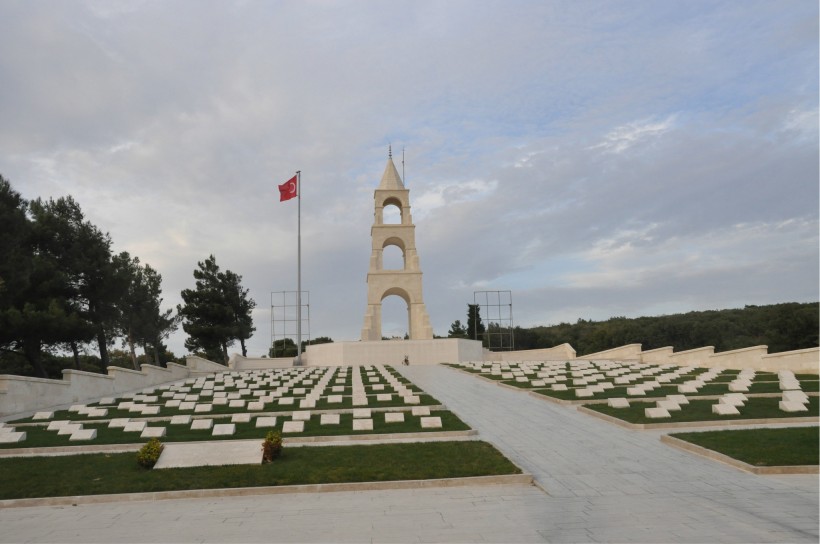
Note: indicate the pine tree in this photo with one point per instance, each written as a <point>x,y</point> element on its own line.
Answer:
<point>475,328</point>
<point>217,312</point>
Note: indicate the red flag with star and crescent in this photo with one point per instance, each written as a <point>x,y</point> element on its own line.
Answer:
<point>288,190</point>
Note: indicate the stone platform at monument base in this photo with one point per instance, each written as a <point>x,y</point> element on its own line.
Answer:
<point>384,352</point>
<point>392,352</point>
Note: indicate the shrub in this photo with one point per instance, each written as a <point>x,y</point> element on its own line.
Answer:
<point>272,446</point>
<point>149,453</point>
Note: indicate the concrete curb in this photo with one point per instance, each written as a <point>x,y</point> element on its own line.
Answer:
<point>693,424</point>
<point>429,436</point>
<point>505,479</point>
<point>581,402</point>
<point>716,456</point>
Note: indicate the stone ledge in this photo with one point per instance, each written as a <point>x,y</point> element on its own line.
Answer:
<point>717,456</point>
<point>287,441</point>
<point>579,402</point>
<point>505,479</point>
<point>694,424</point>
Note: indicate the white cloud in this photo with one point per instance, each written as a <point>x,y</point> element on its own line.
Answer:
<point>596,158</point>
<point>635,133</point>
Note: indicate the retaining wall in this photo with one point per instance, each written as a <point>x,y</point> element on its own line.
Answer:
<point>239,362</point>
<point>564,351</point>
<point>392,352</point>
<point>629,351</point>
<point>696,357</point>
<point>24,394</point>
<point>799,360</point>
<point>657,356</point>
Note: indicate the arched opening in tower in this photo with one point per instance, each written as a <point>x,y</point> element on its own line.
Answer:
<point>392,214</point>
<point>395,317</point>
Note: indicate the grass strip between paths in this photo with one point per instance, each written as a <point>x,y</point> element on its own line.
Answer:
<point>39,437</point>
<point>701,410</point>
<point>96,474</point>
<point>762,447</point>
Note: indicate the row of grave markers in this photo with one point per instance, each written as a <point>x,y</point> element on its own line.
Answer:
<point>599,376</point>
<point>182,396</point>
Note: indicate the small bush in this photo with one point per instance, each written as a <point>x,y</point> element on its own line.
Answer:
<point>272,446</point>
<point>149,453</point>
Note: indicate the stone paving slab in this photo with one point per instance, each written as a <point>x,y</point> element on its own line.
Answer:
<point>633,487</point>
<point>214,453</point>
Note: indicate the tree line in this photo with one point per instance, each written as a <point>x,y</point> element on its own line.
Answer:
<point>63,291</point>
<point>781,327</point>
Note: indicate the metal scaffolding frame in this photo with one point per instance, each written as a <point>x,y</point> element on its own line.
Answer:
<point>283,306</point>
<point>497,315</point>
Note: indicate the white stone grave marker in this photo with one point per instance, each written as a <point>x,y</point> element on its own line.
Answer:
<point>224,429</point>
<point>362,424</point>
<point>394,417</point>
<point>431,422</point>
<point>618,403</point>
<point>791,406</point>
<point>725,409</point>
<point>329,419</point>
<point>293,427</point>
<point>153,432</point>
<point>134,427</point>
<point>202,424</point>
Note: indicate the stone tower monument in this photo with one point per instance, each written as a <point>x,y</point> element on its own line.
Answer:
<point>405,282</point>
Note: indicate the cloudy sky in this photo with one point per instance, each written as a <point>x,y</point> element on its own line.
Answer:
<point>598,159</point>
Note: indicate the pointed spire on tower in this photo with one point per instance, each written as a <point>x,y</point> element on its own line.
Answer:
<point>391,180</point>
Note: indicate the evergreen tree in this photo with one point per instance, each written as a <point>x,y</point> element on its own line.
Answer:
<point>241,307</point>
<point>83,253</point>
<point>457,330</point>
<point>285,347</point>
<point>475,328</point>
<point>217,312</point>
<point>142,320</point>
<point>41,304</point>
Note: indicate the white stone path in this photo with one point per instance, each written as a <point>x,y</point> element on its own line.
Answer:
<point>604,484</point>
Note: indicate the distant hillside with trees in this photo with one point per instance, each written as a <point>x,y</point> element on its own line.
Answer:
<point>782,327</point>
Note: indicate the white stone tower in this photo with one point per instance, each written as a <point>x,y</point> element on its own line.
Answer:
<point>405,282</point>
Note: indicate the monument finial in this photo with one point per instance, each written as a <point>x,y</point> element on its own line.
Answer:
<point>389,151</point>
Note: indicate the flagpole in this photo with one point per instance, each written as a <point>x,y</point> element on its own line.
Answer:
<point>299,268</point>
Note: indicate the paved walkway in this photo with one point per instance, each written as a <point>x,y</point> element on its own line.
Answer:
<point>603,483</point>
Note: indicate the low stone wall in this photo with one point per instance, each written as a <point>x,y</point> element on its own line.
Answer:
<point>657,356</point>
<point>24,394</point>
<point>198,365</point>
<point>629,351</point>
<point>799,360</point>
<point>696,357</point>
<point>392,352</point>
<point>239,362</point>
<point>737,358</point>
<point>755,357</point>
<point>564,351</point>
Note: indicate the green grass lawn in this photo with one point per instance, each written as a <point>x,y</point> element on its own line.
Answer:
<point>39,437</point>
<point>762,447</point>
<point>28,477</point>
<point>701,410</point>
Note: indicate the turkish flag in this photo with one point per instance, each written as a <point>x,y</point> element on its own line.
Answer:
<point>288,190</point>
